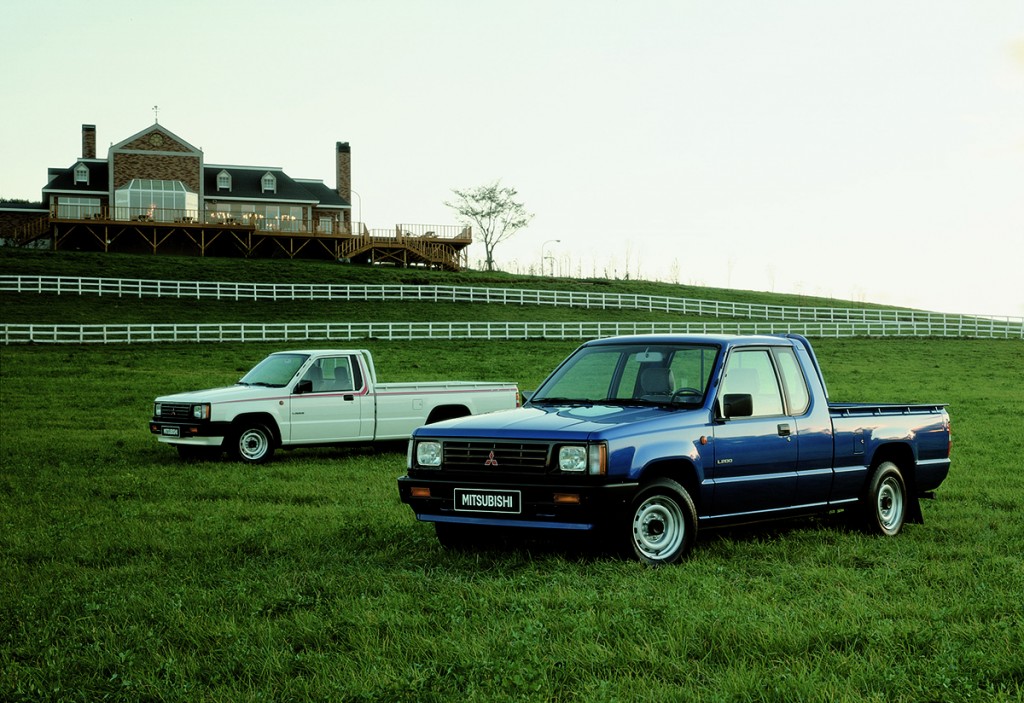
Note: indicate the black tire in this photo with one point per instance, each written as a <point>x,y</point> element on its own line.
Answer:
<point>885,503</point>
<point>252,444</point>
<point>662,523</point>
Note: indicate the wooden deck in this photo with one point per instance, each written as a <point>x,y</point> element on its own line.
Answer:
<point>430,246</point>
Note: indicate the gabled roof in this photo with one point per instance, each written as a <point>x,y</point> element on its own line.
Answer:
<point>62,180</point>
<point>154,128</point>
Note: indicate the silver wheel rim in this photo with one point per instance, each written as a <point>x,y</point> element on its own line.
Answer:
<point>253,444</point>
<point>659,527</point>
<point>890,504</point>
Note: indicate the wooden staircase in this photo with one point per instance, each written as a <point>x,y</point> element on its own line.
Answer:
<point>406,249</point>
<point>31,231</point>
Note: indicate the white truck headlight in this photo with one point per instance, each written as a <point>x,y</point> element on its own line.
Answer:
<point>572,458</point>
<point>201,411</point>
<point>157,409</point>
<point>428,454</point>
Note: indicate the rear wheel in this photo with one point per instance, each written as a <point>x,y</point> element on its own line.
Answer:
<point>662,523</point>
<point>885,504</point>
<point>253,444</point>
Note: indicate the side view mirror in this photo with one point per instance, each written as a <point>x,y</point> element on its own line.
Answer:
<point>304,386</point>
<point>737,405</point>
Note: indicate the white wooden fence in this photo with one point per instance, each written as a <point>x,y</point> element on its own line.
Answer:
<point>346,331</point>
<point>813,321</point>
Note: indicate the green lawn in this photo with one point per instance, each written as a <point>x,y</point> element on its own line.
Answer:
<point>129,575</point>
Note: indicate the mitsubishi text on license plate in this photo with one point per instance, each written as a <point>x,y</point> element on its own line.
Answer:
<point>480,500</point>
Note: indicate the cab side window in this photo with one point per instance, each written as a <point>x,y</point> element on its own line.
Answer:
<point>793,381</point>
<point>751,371</point>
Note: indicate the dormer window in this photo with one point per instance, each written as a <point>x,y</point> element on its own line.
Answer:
<point>269,183</point>
<point>223,181</point>
<point>82,174</point>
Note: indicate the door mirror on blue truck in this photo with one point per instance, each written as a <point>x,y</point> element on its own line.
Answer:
<point>737,405</point>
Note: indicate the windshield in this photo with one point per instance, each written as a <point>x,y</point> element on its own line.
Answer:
<point>274,371</point>
<point>631,374</point>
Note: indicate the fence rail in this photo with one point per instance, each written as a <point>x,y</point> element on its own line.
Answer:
<point>344,331</point>
<point>932,323</point>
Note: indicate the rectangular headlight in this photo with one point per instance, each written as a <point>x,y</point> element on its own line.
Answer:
<point>572,458</point>
<point>428,454</point>
<point>201,411</point>
<point>157,408</point>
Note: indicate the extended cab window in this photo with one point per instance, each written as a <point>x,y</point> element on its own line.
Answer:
<point>751,372</point>
<point>793,381</point>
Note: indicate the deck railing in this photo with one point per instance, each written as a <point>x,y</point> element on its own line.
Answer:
<point>286,224</point>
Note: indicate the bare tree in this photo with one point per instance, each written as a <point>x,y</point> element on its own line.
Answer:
<point>493,213</point>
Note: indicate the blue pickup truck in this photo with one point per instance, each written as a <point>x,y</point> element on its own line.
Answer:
<point>645,438</point>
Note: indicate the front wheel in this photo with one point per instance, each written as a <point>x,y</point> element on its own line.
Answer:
<point>253,444</point>
<point>662,523</point>
<point>885,504</point>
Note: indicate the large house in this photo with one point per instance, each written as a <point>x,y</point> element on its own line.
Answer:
<point>154,193</point>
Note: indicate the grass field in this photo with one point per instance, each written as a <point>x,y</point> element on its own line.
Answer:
<point>129,575</point>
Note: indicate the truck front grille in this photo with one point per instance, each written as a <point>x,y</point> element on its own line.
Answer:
<point>496,456</point>
<point>175,411</point>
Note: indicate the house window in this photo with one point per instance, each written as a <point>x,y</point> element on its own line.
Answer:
<point>223,181</point>
<point>78,208</point>
<point>146,199</point>
<point>269,183</point>
<point>82,174</point>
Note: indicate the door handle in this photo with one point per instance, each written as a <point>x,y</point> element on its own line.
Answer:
<point>348,398</point>
<point>784,430</point>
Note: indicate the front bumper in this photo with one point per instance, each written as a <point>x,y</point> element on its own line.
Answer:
<point>206,434</point>
<point>537,505</point>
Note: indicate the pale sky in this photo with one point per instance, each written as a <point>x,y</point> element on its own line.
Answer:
<point>867,150</point>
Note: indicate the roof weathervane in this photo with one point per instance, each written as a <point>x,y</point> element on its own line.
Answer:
<point>156,114</point>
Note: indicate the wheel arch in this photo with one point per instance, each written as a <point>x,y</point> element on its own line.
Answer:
<point>898,453</point>
<point>261,418</point>
<point>902,455</point>
<point>680,470</point>
<point>447,412</point>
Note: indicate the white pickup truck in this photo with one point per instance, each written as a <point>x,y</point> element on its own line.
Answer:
<point>313,397</point>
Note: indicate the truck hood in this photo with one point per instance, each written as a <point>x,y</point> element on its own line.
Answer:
<point>224,395</point>
<point>576,422</point>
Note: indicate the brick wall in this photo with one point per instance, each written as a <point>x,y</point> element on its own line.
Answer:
<point>158,166</point>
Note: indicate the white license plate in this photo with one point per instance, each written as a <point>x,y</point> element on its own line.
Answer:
<point>480,500</point>
<point>170,432</point>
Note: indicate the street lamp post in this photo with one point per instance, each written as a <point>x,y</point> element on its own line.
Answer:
<point>542,256</point>
<point>360,212</point>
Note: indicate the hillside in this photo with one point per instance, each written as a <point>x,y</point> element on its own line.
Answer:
<point>53,309</point>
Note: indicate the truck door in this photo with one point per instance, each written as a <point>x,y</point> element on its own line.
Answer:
<point>756,456</point>
<point>333,407</point>
<point>813,426</point>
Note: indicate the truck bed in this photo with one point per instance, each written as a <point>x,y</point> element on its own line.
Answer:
<point>862,409</point>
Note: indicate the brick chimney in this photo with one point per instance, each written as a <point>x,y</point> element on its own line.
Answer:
<point>88,141</point>
<point>343,161</point>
